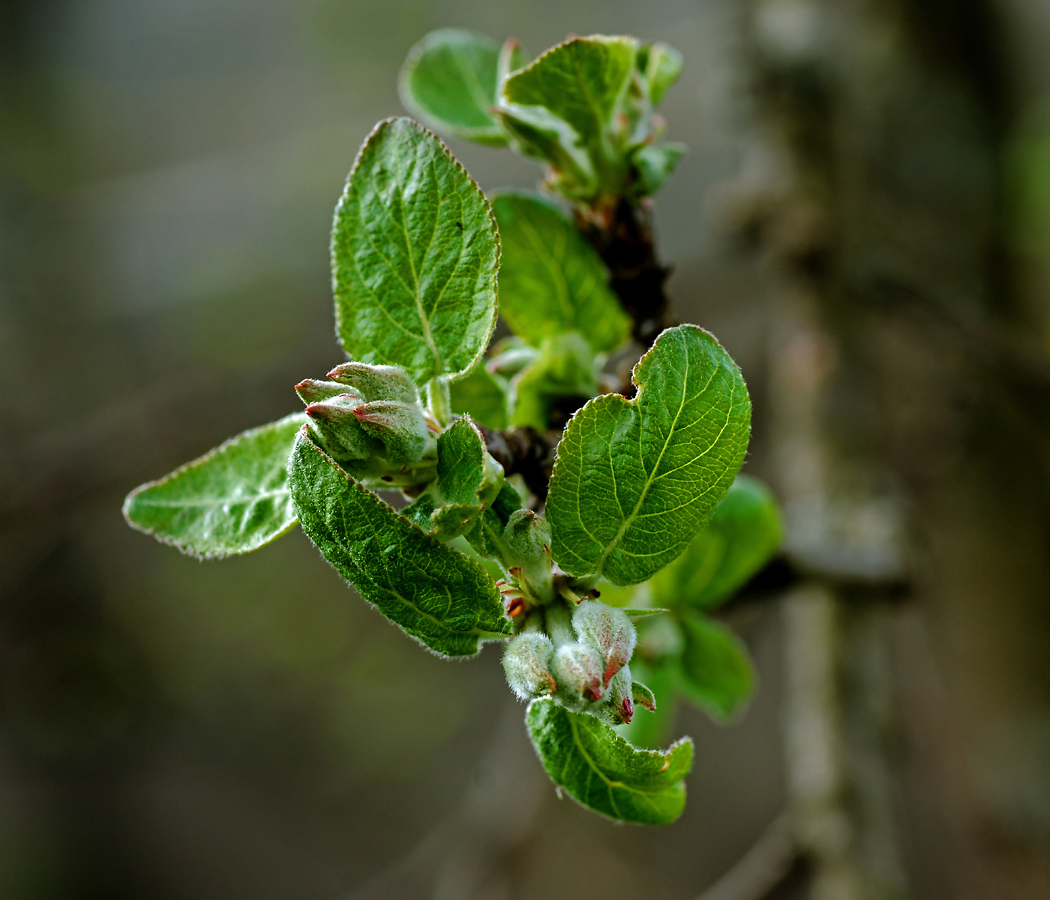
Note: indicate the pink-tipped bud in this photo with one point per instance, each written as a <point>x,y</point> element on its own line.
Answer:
<point>377,382</point>
<point>577,670</point>
<point>400,426</point>
<point>312,391</point>
<point>526,663</point>
<point>609,632</point>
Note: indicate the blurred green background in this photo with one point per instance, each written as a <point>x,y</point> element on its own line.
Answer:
<point>249,728</point>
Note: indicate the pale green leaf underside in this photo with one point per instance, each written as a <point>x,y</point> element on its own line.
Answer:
<point>581,81</point>
<point>716,670</point>
<point>635,479</point>
<point>551,279</point>
<point>414,256</point>
<point>602,771</point>
<point>744,533</point>
<point>450,80</point>
<point>437,595</point>
<point>232,500</point>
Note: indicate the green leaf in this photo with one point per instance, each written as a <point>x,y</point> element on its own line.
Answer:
<point>716,670</point>
<point>468,479</point>
<point>437,595</point>
<point>663,66</point>
<point>600,770</point>
<point>583,82</point>
<point>551,279</point>
<point>651,729</point>
<point>654,163</point>
<point>635,479</point>
<point>744,533</point>
<point>450,80</point>
<point>481,395</point>
<point>414,257</point>
<point>566,367</point>
<point>233,499</point>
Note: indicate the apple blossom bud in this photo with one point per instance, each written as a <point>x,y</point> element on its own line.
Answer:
<point>527,662</point>
<point>400,426</point>
<point>337,430</point>
<point>313,391</point>
<point>578,671</point>
<point>608,631</point>
<point>377,382</point>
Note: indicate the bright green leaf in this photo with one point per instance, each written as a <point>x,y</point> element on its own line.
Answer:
<point>654,163</point>
<point>716,669</point>
<point>663,66</point>
<point>437,595</point>
<point>481,395</point>
<point>414,256</point>
<point>450,80</point>
<point>635,479</point>
<point>602,771</point>
<point>582,81</point>
<point>744,533</point>
<point>234,499</point>
<point>551,279</point>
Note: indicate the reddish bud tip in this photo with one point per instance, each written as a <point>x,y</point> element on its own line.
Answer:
<point>515,608</point>
<point>627,709</point>
<point>387,478</point>
<point>515,571</point>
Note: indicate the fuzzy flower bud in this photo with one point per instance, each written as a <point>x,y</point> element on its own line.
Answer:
<point>377,382</point>
<point>312,391</point>
<point>400,426</point>
<point>609,632</point>
<point>338,431</point>
<point>578,671</point>
<point>527,662</point>
<point>528,540</point>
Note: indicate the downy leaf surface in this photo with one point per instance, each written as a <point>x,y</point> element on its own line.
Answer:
<point>635,479</point>
<point>436,595</point>
<point>551,279</point>
<point>414,256</point>
<point>450,80</point>
<point>743,534</point>
<point>233,499</point>
<point>716,670</point>
<point>602,771</point>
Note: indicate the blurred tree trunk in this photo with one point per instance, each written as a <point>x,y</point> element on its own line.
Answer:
<point>911,421</point>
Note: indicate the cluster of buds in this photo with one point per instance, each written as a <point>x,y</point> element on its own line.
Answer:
<point>581,661</point>
<point>364,413</point>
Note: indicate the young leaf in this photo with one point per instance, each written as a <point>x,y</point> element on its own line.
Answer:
<point>600,770</point>
<point>234,499</point>
<point>744,532</point>
<point>450,80</point>
<point>583,82</point>
<point>635,479</point>
<point>467,481</point>
<point>663,66</point>
<point>481,395</point>
<point>651,729</point>
<point>716,670</point>
<point>551,279</point>
<point>434,593</point>
<point>414,256</point>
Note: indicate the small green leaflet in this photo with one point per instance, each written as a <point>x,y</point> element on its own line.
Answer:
<point>663,66</point>
<point>635,479</point>
<point>450,80</point>
<point>551,280</point>
<point>452,502</point>
<point>744,533</point>
<point>414,257</point>
<point>600,770</point>
<point>437,595</point>
<point>716,671</point>
<point>233,499</point>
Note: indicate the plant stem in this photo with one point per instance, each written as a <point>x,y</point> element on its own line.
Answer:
<point>439,401</point>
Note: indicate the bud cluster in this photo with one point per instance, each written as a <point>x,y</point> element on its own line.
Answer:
<point>581,660</point>
<point>368,418</point>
